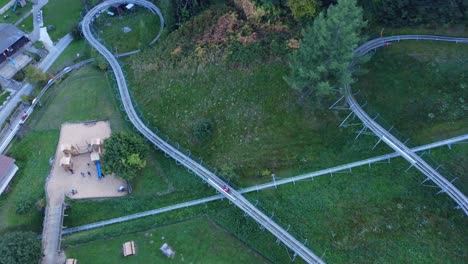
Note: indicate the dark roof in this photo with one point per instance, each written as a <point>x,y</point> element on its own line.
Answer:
<point>9,34</point>
<point>5,165</point>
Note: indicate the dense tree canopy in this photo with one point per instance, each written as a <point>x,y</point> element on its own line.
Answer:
<point>124,154</point>
<point>35,76</point>
<point>19,247</point>
<point>414,12</point>
<point>323,60</point>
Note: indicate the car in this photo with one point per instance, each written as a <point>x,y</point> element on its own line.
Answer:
<point>225,189</point>
<point>23,118</point>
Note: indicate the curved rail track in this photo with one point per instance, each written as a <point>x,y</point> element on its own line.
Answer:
<point>234,197</point>
<point>384,135</point>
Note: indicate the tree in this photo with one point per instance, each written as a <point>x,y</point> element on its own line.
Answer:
<point>125,154</point>
<point>76,32</point>
<point>324,57</point>
<point>19,247</point>
<point>35,76</point>
<point>415,12</point>
<point>303,8</point>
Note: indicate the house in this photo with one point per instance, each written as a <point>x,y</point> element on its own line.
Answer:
<point>11,40</point>
<point>8,169</point>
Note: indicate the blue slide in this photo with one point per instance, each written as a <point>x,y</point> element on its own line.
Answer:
<point>98,168</point>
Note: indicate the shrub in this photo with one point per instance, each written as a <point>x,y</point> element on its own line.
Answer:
<point>202,130</point>
<point>20,247</point>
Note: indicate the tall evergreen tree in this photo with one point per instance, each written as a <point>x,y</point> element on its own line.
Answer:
<point>322,63</point>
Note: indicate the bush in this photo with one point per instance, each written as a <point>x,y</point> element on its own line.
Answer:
<point>19,76</point>
<point>20,247</point>
<point>202,130</point>
<point>125,154</point>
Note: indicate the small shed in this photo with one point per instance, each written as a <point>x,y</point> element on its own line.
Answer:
<point>167,250</point>
<point>128,248</point>
<point>8,169</point>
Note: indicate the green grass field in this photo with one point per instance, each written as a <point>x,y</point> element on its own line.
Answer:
<point>259,125</point>
<point>381,214</point>
<point>419,87</point>
<point>3,96</point>
<point>195,241</point>
<point>63,15</point>
<point>77,51</point>
<point>3,2</point>
<point>13,17</point>
<point>32,155</point>
<point>144,27</point>
<point>84,95</point>
<point>27,25</point>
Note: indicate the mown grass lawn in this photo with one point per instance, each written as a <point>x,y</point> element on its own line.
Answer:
<point>143,26</point>
<point>84,95</point>
<point>63,15</point>
<point>195,241</point>
<point>13,17</point>
<point>32,154</point>
<point>27,25</point>
<point>77,51</point>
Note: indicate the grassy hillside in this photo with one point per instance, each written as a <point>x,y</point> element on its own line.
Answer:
<point>419,87</point>
<point>233,84</point>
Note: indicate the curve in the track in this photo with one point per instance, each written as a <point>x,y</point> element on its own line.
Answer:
<point>213,180</point>
<point>384,135</point>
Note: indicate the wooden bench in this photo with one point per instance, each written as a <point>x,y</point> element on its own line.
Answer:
<point>71,261</point>
<point>128,248</point>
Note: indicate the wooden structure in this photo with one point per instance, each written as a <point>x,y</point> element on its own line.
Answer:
<point>66,163</point>
<point>167,250</point>
<point>128,248</point>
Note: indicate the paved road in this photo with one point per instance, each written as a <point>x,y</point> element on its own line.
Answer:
<point>13,102</point>
<point>261,186</point>
<point>416,161</point>
<point>63,43</point>
<point>235,197</point>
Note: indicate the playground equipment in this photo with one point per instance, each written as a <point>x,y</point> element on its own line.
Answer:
<point>94,148</point>
<point>66,163</point>
<point>21,3</point>
<point>73,149</point>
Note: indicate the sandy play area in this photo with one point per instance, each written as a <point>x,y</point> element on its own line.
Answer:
<point>62,181</point>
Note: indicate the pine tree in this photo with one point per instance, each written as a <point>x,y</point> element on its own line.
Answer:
<point>323,60</point>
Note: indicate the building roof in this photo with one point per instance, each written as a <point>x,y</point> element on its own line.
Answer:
<point>5,165</point>
<point>9,34</point>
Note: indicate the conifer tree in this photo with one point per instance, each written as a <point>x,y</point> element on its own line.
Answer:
<point>322,63</point>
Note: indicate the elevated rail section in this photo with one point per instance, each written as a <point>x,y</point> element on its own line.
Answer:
<point>207,176</point>
<point>415,160</point>
<point>259,187</point>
